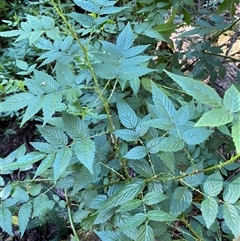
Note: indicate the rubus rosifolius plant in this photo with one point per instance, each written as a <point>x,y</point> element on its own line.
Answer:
<point>126,150</point>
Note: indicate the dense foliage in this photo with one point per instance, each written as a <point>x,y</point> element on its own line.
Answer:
<point>130,141</point>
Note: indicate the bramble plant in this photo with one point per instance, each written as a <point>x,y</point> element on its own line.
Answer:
<point>130,142</point>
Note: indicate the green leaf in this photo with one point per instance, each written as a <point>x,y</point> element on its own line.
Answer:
<point>181,200</point>
<point>231,193</point>
<point>51,104</point>
<point>88,6</point>
<point>135,85</point>
<point>196,136</point>
<point>215,117</point>
<point>170,144</point>
<point>128,192</point>
<point>125,134</point>
<point>231,100</point>
<point>11,33</point>
<point>103,216</point>
<point>145,233</point>
<point>24,216</point>
<point>61,162</point>
<point>20,195</point>
<point>162,103</point>
<point>137,153</point>
<point>133,221</point>
<point>232,219</point>
<point>141,167</point>
<point>160,216</point>
<point>213,185</point>
<point>198,90</point>
<point>154,197</point>
<point>235,135</point>
<point>126,115</point>
<point>48,22</point>
<point>45,164</point>
<point>168,159</point>
<point>26,161</point>
<point>43,147</point>
<point>209,208</point>
<point>126,38</point>
<point>75,127</point>
<point>53,135</point>
<point>85,152</point>
<point>130,205</point>
<point>6,220</point>
<point>22,64</point>
<point>42,205</point>
<point>112,236</point>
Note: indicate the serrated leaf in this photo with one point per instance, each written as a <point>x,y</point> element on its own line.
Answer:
<point>136,50</point>
<point>62,159</point>
<point>41,205</point>
<point>85,151</point>
<point>125,134</point>
<point>235,136</point>
<point>160,216</point>
<point>111,236</point>
<point>48,22</point>
<point>45,164</point>
<point>135,85</point>
<point>130,205</point>
<point>34,22</point>
<point>196,136</point>
<point>161,123</point>
<point>231,193</point>
<point>53,135</point>
<point>6,220</point>
<point>137,153</point>
<point>231,99</point>
<point>141,167</point>
<point>42,147</point>
<point>213,185</point>
<point>128,192</point>
<point>103,216</point>
<point>209,208</point>
<point>126,115</point>
<point>215,117</point>
<point>75,127</point>
<point>170,144</point>
<point>162,103</point>
<point>181,200</point>
<point>154,197</point>
<point>11,33</point>
<point>51,103</point>
<point>20,195</point>
<point>145,233</point>
<point>232,219</point>
<point>198,90</point>
<point>126,38</point>
<point>133,221</point>
<point>64,75</point>
<point>168,160</point>
<point>88,6</point>
<point>24,216</point>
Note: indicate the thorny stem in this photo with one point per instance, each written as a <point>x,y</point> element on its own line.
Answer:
<point>95,80</point>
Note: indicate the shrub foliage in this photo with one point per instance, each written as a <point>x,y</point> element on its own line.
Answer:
<point>130,142</point>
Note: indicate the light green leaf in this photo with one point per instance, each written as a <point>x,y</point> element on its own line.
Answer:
<point>47,22</point>
<point>153,145</point>
<point>125,134</point>
<point>213,185</point>
<point>198,90</point>
<point>85,152</point>
<point>181,200</point>
<point>162,103</point>
<point>129,205</point>
<point>128,192</point>
<point>43,147</point>
<point>126,38</point>
<point>126,115</point>
<point>145,233</point>
<point>53,135</point>
<point>24,216</point>
<point>21,64</point>
<point>61,162</point>
<point>209,208</point>
<point>20,195</point>
<point>133,221</point>
<point>235,135</point>
<point>6,220</point>
<point>34,22</point>
<point>137,153</point>
<point>51,104</point>
<point>45,164</point>
<point>154,197</point>
<point>75,127</point>
<point>41,205</point>
<point>170,144</point>
<point>231,193</point>
<point>112,236</point>
<point>232,219</point>
<point>135,85</point>
<point>160,216</point>
<point>11,33</point>
<point>231,100</point>
<point>215,117</point>
<point>196,135</point>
